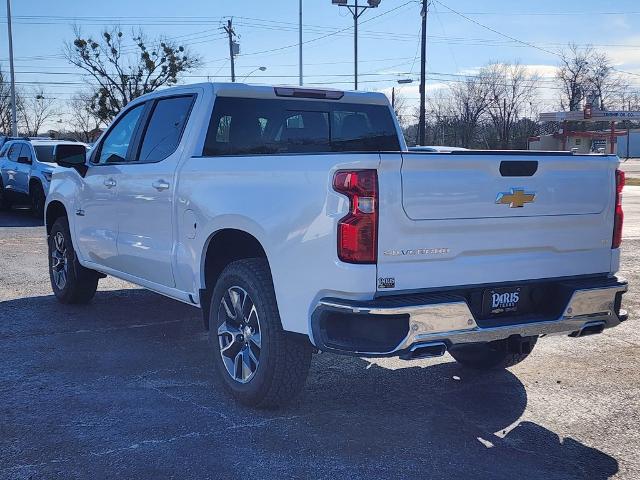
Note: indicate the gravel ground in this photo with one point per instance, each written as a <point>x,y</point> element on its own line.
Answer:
<point>123,388</point>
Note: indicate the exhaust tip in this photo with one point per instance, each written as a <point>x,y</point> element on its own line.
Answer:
<point>425,350</point>
<point>589,329</point>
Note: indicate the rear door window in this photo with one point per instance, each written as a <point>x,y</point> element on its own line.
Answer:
<point>26,152</point>
<point>164,131</point>
<point>242,126</point>
<point>44,153</point>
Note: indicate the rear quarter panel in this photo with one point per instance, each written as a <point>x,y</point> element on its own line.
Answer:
<point>287,203</point>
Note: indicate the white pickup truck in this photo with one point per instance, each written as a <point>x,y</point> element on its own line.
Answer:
<point>298,221</point>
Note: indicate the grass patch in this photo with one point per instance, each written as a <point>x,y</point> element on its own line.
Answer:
<point>635,182</point>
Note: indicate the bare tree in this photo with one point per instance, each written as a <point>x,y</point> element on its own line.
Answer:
<point>400,107</point>
<point>511,92</point>
<point>122,74</point>
<point>5,104</point>
<point>83,119</point>
<point>35,108</point>
<point>573,74</point>
<point>629,99</point>
<point>606,86</point>
<point>469,101</point>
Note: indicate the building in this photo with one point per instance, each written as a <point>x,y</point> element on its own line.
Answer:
<point>629,147</point>
<point>612,140</point>
<point>581,142</point>
<point>590,142</point>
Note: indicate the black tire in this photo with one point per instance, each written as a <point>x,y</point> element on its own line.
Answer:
<point>5,203</point>
<point>490,356</point>
<point>80,283</point>
<point>283,358</point>
<point>37,199</point>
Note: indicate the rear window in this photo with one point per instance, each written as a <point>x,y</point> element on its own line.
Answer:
<point>44,153</point>
<point>244,126</point>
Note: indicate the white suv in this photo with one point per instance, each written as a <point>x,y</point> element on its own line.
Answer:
<point>25,171</point>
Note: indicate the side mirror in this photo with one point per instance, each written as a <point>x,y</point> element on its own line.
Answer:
<point>24,160</point>
<point>71,156</point>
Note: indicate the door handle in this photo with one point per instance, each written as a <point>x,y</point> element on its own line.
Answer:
<point>160,185</point>
<point>110,183</point>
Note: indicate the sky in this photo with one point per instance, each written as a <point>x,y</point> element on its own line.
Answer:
<point>463,35</point>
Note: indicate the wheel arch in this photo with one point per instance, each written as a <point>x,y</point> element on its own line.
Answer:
<point>54,210</point>
<point>223,247</point>
<point>35,181</point>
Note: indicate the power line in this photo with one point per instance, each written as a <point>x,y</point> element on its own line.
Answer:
<point>516,39</point>
<point>496,31</point>
<point>199,18</point>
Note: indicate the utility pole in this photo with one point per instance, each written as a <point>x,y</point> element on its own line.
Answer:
<point>14,122</point>
<point>504,124</point>
<point>356,11</point>
<point>628,133</point>
<point>393,97</point>
<point>231,33</point>
<point>422,127</point>
<point>300,44</point>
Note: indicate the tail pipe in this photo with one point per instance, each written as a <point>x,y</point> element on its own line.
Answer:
<point>590,328</point>
<point>425,350</point>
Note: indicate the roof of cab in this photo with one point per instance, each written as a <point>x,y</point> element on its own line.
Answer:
<point>266,91</point>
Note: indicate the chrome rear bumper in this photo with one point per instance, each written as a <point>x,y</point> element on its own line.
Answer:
<point>452,322</point>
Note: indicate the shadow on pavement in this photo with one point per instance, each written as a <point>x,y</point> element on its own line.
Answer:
<point>19,217</point>
<point>124,387</point>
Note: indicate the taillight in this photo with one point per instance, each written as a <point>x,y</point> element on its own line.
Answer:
<point>358,230</point>
<point>619,214</point>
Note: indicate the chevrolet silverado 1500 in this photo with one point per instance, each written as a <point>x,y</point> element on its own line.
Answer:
<point>298,221</point>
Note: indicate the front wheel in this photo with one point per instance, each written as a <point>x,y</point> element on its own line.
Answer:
<point>259,363</point>
<point>70,281</point>
<point>38,199</point>
<point>5,204</point>
<point>493,355</point>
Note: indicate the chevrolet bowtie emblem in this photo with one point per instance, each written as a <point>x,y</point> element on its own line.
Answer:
<point>516,198</point>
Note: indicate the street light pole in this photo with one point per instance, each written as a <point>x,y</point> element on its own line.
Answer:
<point>356,11</point>
<point>300,44</point>
<point>262,69</point>
<point>355,45</point>
<point>422,124</point>
<point>14,122</point>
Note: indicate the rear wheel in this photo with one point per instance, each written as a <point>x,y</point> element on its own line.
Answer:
<point>493,355</point>
<point>37,198</point>
<point>259,363</point>
<point>70,281</point>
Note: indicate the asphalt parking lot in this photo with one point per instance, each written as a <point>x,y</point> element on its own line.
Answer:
<point>123,388</point>
<point>631,167</point>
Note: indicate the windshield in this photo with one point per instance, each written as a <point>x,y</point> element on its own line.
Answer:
<point>44,153</point>
<point>241,126</point>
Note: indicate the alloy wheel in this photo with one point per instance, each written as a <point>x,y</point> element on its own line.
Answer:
<point>239,334</point>
<point>59,264</point>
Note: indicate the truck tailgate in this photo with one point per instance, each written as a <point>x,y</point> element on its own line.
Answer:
<point>475,217</point>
